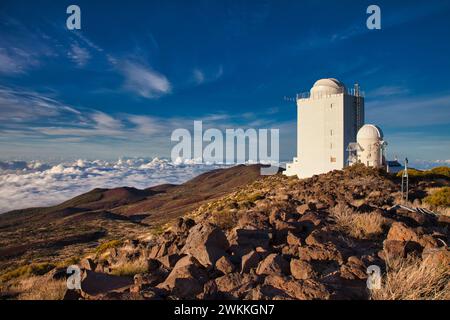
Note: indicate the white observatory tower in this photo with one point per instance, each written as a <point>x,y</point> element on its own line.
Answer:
<point>370,146</point>
<point>329,117</point>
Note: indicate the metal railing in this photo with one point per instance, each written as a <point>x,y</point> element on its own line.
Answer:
<point>320,95</point>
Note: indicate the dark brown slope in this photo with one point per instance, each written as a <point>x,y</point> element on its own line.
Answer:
<point>93,200</point>
<point>68,229</point>
<point>178,200</point>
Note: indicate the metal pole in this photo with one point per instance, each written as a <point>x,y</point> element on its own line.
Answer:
<point>405,182</point>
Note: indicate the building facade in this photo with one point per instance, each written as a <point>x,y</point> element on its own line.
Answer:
<point>329,118</point>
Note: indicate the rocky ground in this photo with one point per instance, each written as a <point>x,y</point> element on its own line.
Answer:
<point>284,238</point>
<point>42,238</point>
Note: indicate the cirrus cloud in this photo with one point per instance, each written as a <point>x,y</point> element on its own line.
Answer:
<point>143,80</point>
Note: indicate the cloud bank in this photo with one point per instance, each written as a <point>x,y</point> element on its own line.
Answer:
<point>33,184</point>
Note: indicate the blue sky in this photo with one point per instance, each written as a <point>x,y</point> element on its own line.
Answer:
<point>136,71</point>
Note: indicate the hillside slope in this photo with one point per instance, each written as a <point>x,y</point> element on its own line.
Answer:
<point>68,230</point>
<point>278,238</point>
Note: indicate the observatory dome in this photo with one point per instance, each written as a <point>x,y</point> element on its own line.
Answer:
<point>369,132</point>
<point>327,86</point>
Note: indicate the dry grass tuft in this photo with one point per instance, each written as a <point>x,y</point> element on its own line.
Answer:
<point>358,225</point>
<point>438,198</point>
<point>225,219</point>
<point>130,268</point>
<point>107,245</point>
<point>27,270</point>
<point>40,288</point>
<point>414,279</point>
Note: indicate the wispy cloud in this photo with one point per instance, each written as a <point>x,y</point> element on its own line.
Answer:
<point>87,41</point>
<point>79,55</point>
<point>104,121</point>
<point>146,125</point>
<point>24,50</point>
<point>410,112</point>
<point>95,124</point>
<point>388,91</point>
<point>21,105</point>
<point>143,80</point>
<point>13,62</point>
<point>200,76</point>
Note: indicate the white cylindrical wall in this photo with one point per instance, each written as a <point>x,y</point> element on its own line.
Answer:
<point>369,138</point>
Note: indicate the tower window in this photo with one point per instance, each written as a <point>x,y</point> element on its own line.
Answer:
<point>331,132</point>
<point>332,159</point>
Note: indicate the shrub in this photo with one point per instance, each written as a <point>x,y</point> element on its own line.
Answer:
<point>442,171</point>
<point>438,172</point>
<point>414,279</point>
<point>130,268</point>
<point>40,288</point>
<point>68,262</point>
<point>225,219</point>
<point>28,270</point>
<point>358,225</point>
<point>439,198</point>
<point>107,245</point>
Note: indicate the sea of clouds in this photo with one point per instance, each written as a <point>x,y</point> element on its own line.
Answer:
<point>33,184</point>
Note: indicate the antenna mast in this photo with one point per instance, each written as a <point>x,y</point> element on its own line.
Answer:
<point>405,182</point>
<point>358,106</point>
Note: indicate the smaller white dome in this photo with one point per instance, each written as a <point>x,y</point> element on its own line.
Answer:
<point>327,86</point>
<point>369,131</point>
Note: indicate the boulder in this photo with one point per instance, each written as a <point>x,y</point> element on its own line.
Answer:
<point>94,283</point>
<point>312,218</point>
<point>57,274</point>
<point>169,260</point>
<point>147,293</point>
<point>102,266</point>
<point>394,249</point>
<point>267,292</point>
<point>207,243</point>
<point>252,238</point>
<point>437,256</point>
<point>353,269</point>
<point>301,270</point>
<point>293,240</point>
<point>158,251</point>
<point>253,220</point>
<point>298,289</point>
<point>72,295</point>
<point>302,209</point>
<point>289,251</point>
<point>321,252</point>
<point>186,279</point>
<point>275,215</point>
<point>153,264</point>
<point>224,265</point>
<point>151,279</point>
<point>250,261</point>
<point>401,232</point>
<point>184,225</point>
<point>236,285</point>
<point>273,264</point>
<point>320,237</point>
<point>88,264</point>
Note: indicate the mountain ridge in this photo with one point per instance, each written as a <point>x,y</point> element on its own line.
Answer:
<point>104,212</point>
